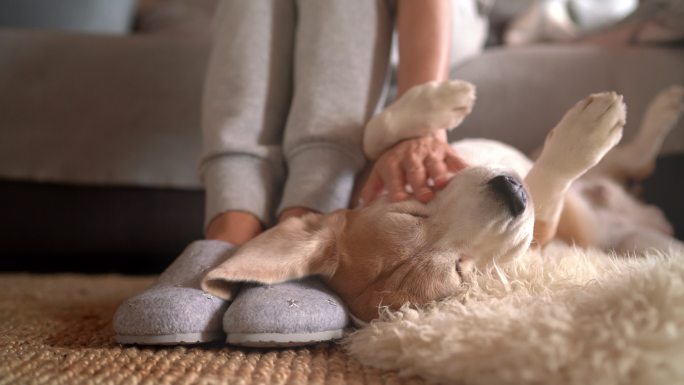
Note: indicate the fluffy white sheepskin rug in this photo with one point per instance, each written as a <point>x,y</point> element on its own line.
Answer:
<point>562,316</point>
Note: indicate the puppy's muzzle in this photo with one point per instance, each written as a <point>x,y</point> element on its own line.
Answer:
<point>511,191</point>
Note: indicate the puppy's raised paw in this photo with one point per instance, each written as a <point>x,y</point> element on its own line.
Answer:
<point>420,111</point>
<point>434,105</point>
<point>586,133</point>
<point>600,121</point>
<point>453,95</point>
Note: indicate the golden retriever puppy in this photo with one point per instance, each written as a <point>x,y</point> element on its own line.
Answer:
<point>388,254</point>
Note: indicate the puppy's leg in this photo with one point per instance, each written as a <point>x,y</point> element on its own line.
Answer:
<point>420,111</point>
<point>578,142</point>
<point>577,224</point>
<point>636,160</point>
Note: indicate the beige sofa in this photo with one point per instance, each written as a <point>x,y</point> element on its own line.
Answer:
<point>103,110</point>
<point>99,139</point>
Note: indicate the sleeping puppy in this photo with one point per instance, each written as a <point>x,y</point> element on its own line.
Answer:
<point>388,254</point>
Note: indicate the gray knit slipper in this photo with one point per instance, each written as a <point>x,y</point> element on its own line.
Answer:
<point>293,313</point>
<point>175,310</point>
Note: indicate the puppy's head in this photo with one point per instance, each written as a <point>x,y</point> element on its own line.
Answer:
<point>392,253</point>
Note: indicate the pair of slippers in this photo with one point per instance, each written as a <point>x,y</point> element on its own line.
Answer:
<point>176,311</point>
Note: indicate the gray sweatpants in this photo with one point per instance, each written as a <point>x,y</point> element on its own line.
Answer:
<point>289,88</point>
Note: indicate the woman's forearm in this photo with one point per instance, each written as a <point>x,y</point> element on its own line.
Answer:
<point>424,29</point>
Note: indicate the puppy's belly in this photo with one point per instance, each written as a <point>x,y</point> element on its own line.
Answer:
<point>486,152</point>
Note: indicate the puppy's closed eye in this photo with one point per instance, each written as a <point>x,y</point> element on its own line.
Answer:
<point>414,214</point>
<point>412,208</point>
<point>458,269</point>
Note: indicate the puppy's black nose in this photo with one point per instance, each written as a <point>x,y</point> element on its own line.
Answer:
<point>511,191</point>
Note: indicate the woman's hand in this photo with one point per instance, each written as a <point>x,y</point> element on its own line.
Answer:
<point>413,162</point>
<point>424,34</point>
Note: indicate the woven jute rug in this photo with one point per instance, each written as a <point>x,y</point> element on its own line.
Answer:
<point>56,329</point>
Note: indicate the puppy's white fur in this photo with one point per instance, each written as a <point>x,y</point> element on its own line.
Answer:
<point>566,316</point>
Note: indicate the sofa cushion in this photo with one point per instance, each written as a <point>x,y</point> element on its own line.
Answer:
<point>179,18</point>
<point>523,92</point>
<point>95,109</point>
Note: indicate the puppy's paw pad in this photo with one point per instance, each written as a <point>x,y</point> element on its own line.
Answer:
<point>432,106</point>
<point>601,107</point>
<point>454,95</point>
<point>586,133</point>
<point>450,102</point>
<point>439,97</point>
<point>596,121</point>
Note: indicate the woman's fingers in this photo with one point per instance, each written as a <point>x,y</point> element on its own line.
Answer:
<point>416,176</point>
<point>437,170</point>
<point>454,162</point>
<point>394,180</point>
<point>414,162</point>
<point>372,189</point>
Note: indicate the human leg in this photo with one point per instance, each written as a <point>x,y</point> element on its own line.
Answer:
<point>340,62</point>
<point>340,70</point>
<point>246,100</point>
<point>234,227</point>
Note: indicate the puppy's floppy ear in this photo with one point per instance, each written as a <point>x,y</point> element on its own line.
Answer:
<point>296,248</point>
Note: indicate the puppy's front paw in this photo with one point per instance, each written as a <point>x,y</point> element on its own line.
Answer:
<point>420,111</point>
<point>586,133</point>
<point>433,106</point>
